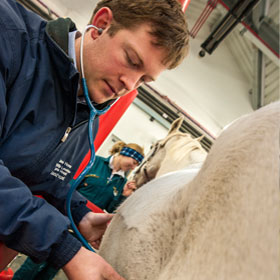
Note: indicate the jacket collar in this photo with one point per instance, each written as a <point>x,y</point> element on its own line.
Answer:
<point>59,30</point>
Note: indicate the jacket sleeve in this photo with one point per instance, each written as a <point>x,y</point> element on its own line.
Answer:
<point>31,226</point>
<point>28,224</point>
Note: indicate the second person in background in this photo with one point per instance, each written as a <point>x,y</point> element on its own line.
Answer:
<point>106,184</point>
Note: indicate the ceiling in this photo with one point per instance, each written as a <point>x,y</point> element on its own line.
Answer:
<point>246,40</point>
<point>253,42</point>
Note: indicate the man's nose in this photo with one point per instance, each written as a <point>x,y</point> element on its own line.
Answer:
<point>131,80</point>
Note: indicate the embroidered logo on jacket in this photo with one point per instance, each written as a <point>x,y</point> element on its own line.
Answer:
<point>61,170</point>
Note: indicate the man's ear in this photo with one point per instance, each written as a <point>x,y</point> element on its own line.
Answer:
<point>102,18</point>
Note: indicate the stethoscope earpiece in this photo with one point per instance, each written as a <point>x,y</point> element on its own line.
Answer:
<point>99,30</point>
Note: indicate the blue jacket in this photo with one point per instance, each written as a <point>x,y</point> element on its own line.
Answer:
<point>38,102</point>
<point>100,188</point>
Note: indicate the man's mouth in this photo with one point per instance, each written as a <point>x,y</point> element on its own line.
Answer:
<point>111,90</point>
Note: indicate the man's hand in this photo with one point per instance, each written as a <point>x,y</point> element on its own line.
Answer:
<point>88,265</point>
<point>93,226</point>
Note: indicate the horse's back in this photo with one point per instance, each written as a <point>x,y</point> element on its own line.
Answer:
<point>224,224</point>
<point>232,231</point>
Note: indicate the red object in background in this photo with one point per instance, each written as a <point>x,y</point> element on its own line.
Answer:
<point>185,4</point>
<point>93,208</point>
<point>6,274</point>
<point>6,256</point>
<point>210,6</point>
<point>107,123</point>
<point>110,119</point>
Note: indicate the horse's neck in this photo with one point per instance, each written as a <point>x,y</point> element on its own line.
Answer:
<point>197,156</point>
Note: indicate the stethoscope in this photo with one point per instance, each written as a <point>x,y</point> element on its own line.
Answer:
<point>93,113</point>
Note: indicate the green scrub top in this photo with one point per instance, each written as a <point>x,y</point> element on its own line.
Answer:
<point>99,188</point>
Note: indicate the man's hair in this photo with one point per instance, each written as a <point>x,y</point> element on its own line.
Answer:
<point>165,17</point>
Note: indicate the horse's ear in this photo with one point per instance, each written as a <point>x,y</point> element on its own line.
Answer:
<point>199,138</point>
<point>175,126</point>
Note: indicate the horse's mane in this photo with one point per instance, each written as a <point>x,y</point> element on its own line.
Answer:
<point>183,146</point>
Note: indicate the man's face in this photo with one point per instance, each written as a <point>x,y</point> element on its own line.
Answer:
<point>116,65</point>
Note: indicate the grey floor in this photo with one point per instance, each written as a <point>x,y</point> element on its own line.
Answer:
<point>17,262</point>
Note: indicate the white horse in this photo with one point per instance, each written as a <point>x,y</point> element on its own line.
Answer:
<point>176,151</point>
<point>223,224</point>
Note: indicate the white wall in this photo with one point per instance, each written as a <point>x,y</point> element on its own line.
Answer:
<point>135,127</point>
<point>211,89</point>
<point>79,11</point>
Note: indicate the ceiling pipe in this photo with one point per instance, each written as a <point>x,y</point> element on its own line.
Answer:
<point>235,15</point>
<point>210,6</point>
<point>39,9</point>
<point>257,39</point>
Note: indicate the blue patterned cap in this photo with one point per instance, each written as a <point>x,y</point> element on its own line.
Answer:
<point>128,152</point>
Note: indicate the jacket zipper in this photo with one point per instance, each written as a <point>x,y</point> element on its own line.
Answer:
<point>66,134</point>
<point>69,129</point>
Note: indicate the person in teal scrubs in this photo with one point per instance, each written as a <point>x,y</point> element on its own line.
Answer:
<point>106,186</point>
<point>104,183</point>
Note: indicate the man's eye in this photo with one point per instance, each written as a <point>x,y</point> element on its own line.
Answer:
<point>130,61</point>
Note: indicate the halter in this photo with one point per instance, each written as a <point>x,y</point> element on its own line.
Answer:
<point>155,149</point>
<point>157,146</point>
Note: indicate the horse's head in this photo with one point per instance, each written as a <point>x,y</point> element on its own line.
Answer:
<point>176,151</point>
<point>151,163</point>
<point>149,167</point>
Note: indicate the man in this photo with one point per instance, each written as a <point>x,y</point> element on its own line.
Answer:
<point>43,116</point>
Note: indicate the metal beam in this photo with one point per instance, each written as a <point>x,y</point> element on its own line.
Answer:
<point>264,34</point>
<point>38,9</point>
<point>165,113</point>
<point>153,114</point>
<point>235,15</point>
<point>259,80</point>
